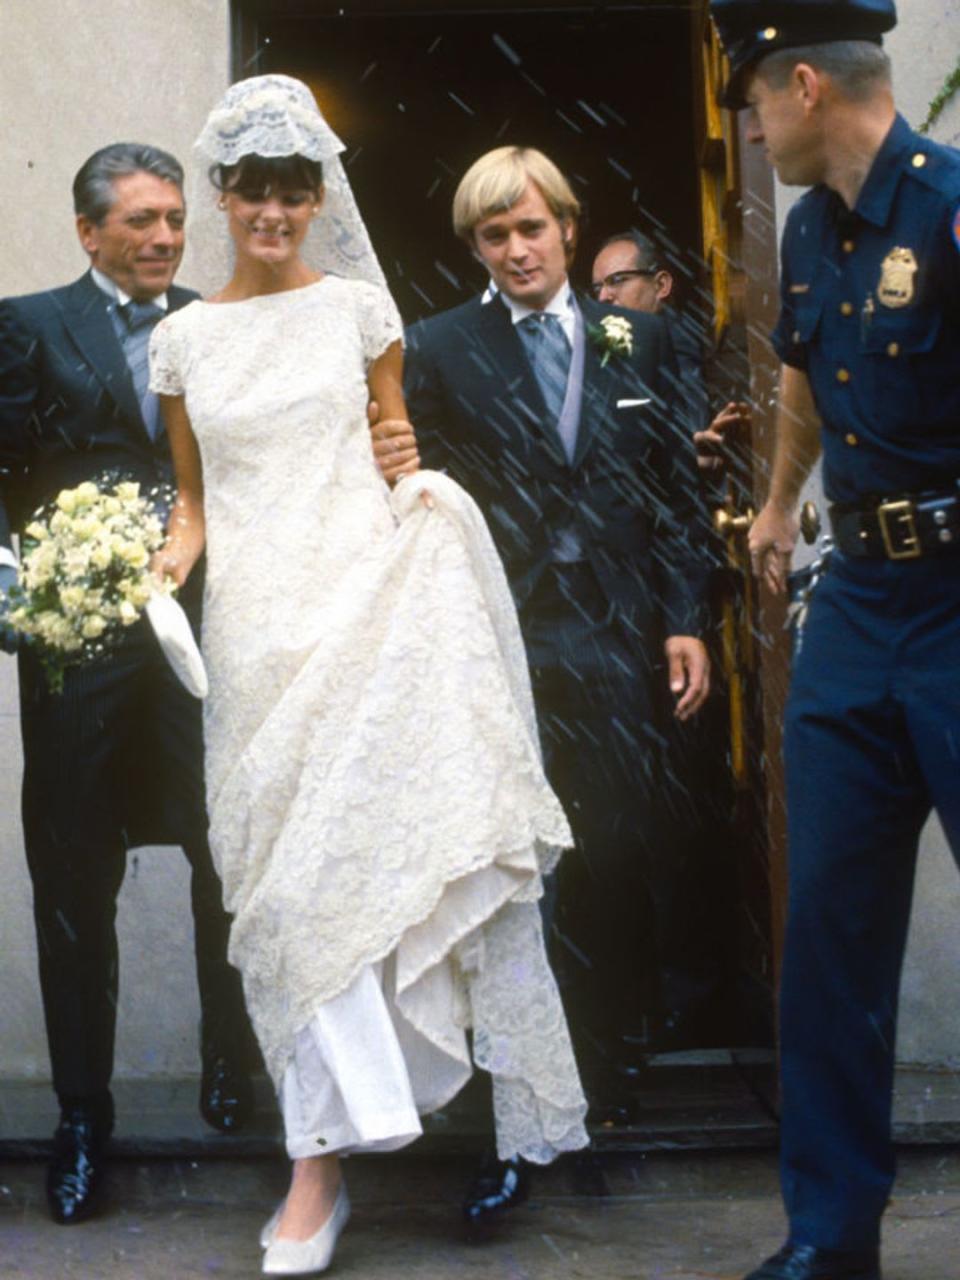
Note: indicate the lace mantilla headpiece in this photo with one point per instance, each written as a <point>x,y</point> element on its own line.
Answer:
<point>275,116</point>
<point>268,116</point>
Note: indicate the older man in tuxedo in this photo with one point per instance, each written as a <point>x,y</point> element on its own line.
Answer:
<point>115,760</point>
<point>561,417</point>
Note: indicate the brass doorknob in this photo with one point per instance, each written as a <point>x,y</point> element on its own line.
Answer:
<point>727,524</point>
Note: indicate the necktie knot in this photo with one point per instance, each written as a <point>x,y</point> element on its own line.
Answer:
<point>138,315</point>
<point>545,325</point>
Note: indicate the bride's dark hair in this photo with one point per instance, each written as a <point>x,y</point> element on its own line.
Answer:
<point>263,174</point>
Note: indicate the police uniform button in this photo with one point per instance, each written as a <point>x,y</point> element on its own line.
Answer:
<point>851,439</point>
<point>846,308</point>
<point>796,335</point>
<point>893,348</point>
<point>843,375</point>
<point>919,160</point>
<point>946,535</point>
<point>848,246</point>
<point>769,33</point>
<point>939,516</point>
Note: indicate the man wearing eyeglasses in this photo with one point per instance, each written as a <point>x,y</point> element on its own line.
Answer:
<point>627,272</point>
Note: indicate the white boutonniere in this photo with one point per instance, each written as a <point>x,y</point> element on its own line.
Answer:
<point>613,336</point>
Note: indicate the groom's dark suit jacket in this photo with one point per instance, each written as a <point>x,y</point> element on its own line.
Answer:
<point>631,490</point>
<point>68,413</point>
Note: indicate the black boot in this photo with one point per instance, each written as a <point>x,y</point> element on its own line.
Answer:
<point>226,1091</point>
<point>806,1262</point>
<point>500,1185</point>
<point>75,1173</point>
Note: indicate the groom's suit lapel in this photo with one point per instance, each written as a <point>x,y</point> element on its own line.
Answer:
<point>502,346</point>
<point>599,385</point>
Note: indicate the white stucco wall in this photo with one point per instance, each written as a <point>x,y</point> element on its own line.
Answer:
<point>74,76</point>
<point>924,50</point>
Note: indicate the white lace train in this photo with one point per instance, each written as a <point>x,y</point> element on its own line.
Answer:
<point>374,781</point>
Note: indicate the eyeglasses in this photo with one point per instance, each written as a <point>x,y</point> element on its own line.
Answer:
<point>618,278</point>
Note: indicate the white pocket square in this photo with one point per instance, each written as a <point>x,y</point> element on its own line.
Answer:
<point>632,404</point>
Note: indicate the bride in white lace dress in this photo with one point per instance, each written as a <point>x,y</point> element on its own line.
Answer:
<point>378,810</point>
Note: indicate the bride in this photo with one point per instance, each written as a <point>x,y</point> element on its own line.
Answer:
<point>378,810</point>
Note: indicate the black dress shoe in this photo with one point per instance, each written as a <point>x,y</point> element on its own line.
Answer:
<point>500,1185</point>
<point>76,1170</point>
<point>806,1262</point>
<point>226,1094</point>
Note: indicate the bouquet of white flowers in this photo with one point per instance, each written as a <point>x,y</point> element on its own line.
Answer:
<point>84,572</point>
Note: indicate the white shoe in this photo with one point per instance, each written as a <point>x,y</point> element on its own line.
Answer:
<point>306,1257</point>
<point>269,1228</point>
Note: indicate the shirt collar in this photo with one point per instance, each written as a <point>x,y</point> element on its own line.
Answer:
<point>876,195</point>
<point>560,305</point>
<point>113,290</point>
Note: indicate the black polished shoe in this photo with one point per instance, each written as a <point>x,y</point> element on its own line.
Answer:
<point>226,1094</point>
<point>76,1170</point>
<point>806,1262</point>
<point>499,1186</point>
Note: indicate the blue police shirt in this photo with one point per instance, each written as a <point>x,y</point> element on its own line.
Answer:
<point>870,310</point>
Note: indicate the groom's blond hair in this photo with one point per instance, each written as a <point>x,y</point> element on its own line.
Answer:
<point>496,181</point>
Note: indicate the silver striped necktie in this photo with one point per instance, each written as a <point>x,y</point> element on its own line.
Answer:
<point>140,318</point>
<point>549,353</point>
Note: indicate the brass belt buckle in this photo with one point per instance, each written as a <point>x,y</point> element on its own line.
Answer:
<point>899,518</point>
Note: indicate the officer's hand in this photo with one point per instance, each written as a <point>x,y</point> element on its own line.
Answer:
<point>394,445</point>
<point>771,541</point>
<point>689,672</point>
<point>9,639</point>
<point>710,443</point>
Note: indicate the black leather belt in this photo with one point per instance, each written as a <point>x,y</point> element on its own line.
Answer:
<point>903,528</point>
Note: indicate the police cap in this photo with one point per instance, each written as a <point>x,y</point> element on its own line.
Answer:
<point>751,29</point>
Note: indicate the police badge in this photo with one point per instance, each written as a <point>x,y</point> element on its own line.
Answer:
<point>896,287</point>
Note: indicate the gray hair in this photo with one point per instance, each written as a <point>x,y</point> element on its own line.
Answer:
<point>93,193</point>
<point>647,257</point>
<point>857,67</point>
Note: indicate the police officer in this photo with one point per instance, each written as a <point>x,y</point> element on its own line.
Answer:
<point>869,336</point>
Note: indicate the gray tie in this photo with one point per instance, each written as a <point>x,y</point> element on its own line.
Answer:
<point>549,353</point>
<point>139,318</point>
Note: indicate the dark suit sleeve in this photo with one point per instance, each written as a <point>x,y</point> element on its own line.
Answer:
<point>681,550</point>
<point>19,381</point>
<point>426,399</point>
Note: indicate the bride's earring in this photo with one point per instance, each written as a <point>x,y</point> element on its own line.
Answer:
<point>222,204</point>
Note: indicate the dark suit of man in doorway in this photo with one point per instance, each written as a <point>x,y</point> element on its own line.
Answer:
<point>629,270</point>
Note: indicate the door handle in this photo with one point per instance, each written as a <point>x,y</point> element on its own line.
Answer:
<point>727,524</point>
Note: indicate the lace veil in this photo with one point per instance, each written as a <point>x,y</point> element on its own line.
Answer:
<point>277,115</point>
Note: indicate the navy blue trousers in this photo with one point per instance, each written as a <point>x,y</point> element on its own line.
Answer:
<point>872,743</point>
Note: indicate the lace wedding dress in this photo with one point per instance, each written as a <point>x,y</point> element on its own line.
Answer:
<point>378,810</point>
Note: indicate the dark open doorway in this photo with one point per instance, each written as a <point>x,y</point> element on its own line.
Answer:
<point>418,95</point>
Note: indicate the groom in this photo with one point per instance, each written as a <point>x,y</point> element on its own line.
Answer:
<point>561,417</point>
<point>115,760</point>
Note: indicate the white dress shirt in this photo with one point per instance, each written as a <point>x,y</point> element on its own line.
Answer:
<point>113,290</point>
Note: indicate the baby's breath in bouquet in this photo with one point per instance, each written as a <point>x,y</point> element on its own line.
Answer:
<point>84,572</point>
